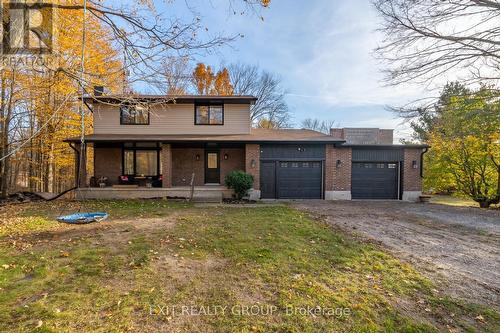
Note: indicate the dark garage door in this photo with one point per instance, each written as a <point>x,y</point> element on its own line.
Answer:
<point>291,180</point>
<point>375,180</point>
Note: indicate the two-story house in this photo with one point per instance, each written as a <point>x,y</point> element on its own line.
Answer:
<point>152,146</point>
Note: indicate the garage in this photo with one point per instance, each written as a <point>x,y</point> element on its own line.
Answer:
<point>291,180</point>
<point>291,172</point>
<point>376,173</point>
<point>375,180</point>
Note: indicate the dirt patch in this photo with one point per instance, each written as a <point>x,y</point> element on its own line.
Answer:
<point>108,233</point>
<point>456,247</point>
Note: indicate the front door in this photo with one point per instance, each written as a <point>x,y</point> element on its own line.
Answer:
<point>212,167</point>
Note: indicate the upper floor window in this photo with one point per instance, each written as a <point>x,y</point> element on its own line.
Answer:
<point>209,115</point>
<point>134,115</point>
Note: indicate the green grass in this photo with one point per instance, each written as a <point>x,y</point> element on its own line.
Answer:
<point>455,201</point>
<point>115,276</point>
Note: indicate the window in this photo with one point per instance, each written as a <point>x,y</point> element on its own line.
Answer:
<point>128,162</point>
<point>391,166</point>
<point>209,115</point>
<point>146,162</point>
<point>134,115</point>
<point>284,165</point>
<point>305,165</point>
<point>295,165</point>
<point>139,161</point>
<point>380,165</point>
<point>212,162</point>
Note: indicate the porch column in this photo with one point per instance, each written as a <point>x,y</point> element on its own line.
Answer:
<point>166,161</point>
<point>81,166</point>
<point>252,166</point>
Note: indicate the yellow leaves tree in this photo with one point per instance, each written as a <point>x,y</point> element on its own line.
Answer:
<point>465,147</point>
<point>51,95</point>
<point>222,84</point>
<point>208,83</point>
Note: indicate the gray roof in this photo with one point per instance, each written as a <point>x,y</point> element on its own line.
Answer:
<point>256,135</point>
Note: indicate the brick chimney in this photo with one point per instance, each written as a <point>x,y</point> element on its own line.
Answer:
<point>364,136</point>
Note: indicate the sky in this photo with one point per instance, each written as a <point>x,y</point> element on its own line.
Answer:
<point>321,49</point>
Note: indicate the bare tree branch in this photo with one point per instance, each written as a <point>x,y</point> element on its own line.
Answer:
<point>427,39</point>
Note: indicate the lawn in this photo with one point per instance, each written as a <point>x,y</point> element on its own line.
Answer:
<point>157,265</point>
<point>451,200</point>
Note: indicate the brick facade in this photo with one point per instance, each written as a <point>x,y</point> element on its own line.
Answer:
<point>108,163</point>
<point>184,164</point>
<point>235,161</point>
<point>342,175</point>
<point>411,177</point>
<point>252,153</point>
<point>364,135</point>
<point>386,136</point>
<point>338,178</point>
<point>166,164</point>
<point>329,167</point>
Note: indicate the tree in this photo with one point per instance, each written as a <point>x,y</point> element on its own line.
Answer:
<point>270,105</point>
<point>427,39</point>
<point>39,107</point>
<point>176,76</point>
<point>322,126</point>
<point>266,123</point>
<point>208,83</point>
<point>465,145</point>
<point>222,83</point>
<point>425,117</point>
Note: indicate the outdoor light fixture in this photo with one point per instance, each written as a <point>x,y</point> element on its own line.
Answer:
<point>197,157</point>
<point>339,163</point>
<point>226,156</point>
<point>253,164</point>
<point>414,164</point>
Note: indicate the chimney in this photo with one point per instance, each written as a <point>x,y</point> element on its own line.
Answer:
<point>98,90</point>
<point>386,136</point>
<point>364,136</point>
<point>337,133</point>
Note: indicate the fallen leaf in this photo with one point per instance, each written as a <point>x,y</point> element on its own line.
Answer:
<point>480,318</point>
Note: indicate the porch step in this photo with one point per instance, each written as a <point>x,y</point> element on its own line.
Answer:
<point>208,196</point>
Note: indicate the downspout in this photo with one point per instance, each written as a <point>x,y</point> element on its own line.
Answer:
<point>77,176</point>
<point>422,162</point>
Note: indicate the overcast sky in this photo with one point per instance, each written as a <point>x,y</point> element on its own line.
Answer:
<point>322,49</point>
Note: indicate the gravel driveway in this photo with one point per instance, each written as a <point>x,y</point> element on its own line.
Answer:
<point>457,247</point>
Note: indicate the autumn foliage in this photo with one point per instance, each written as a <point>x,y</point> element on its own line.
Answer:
<point>40,106</point>
<point>208,83</point>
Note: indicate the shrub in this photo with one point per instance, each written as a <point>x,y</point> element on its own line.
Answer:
<point>240,182</point>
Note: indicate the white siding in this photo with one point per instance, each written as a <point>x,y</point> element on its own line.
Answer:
<point>172,119</point>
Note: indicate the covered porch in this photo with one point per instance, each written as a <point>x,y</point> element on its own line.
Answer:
<point>140,169</point>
